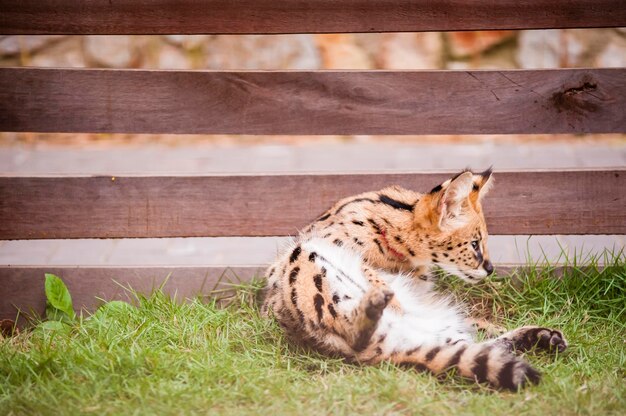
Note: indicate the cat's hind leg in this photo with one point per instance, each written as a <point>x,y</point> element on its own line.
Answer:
<point>350,291</point>
<point>528,337</point>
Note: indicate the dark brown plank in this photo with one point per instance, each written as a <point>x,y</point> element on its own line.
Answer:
<point>22,287</point>
<point>534,202</point>
<point>318,102</point>
<point>300,16</point>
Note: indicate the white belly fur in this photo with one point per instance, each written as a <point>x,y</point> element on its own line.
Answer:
<point>426,318</point>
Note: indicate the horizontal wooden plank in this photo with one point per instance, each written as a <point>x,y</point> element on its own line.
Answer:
<point>22,287</point>
<point>300,16</point>
<point>532,202</point>
<point>317,102</point>
<point>22,292</point>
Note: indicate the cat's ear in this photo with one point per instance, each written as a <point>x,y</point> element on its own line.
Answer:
<point>451,201</point>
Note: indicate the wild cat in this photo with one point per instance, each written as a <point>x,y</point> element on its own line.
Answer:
<point>358,284</point>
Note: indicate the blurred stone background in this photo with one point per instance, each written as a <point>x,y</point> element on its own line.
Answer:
<point>30,153</point>
<point>453,50</point>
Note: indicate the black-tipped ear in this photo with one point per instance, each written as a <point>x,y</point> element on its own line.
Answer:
<point>447,183</point>
<point>483,181</point>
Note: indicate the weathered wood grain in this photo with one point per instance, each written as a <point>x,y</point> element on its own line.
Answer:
<point>22,287</point>
<point>318,102</point>
<point>300,16</point>
<point>533,202</point>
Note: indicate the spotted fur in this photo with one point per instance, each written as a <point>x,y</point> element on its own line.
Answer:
<point>357,284</point>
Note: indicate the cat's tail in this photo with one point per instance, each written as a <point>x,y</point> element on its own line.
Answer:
<point>485,362</point>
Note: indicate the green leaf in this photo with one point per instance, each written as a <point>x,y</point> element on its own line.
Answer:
<point>113,310</point>
<point>58,296</point>
<point>54,314</point>
<point>53,326</point>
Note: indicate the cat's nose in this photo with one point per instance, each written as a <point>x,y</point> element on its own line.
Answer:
<point>488,267</point>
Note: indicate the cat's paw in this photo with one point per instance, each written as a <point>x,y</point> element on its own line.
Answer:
<point>529,337</point>
<point>377,301</point>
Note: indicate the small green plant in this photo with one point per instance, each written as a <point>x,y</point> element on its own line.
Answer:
<point>59,308</point>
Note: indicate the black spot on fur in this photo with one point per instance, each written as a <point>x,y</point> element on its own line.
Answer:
<point>398,239</point>
<point>357,241</point>
<point>413,350</point>
<point>300,315</point>
<point>294,297</point>
<point>380,248</point>
<point>295,254</point>
<point>454,360</point>
<point>318,281</point>
<point>324,217</point>
<point>332,311</point>
<point>359,223</point>
<point>481,365</point>
<point>312,256</point>
<point>338,242</point>
<point>375,226</point>
<point>293,275</point>
<point>432,353</point>
<point>420,367</point>
<point>411,252</point>
<point>506,374</point>
<point>475,187</point>
<point>436,189</point>
<point>336,298</point>
<point>396,204</point>
<point>319,303</point>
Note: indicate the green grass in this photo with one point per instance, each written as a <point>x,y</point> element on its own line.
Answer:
<point>162,357</point>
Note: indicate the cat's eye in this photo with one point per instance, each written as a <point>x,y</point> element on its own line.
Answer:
<point>475,245</point>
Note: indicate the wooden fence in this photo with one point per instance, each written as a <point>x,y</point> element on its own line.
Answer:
<point>287,102</point>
